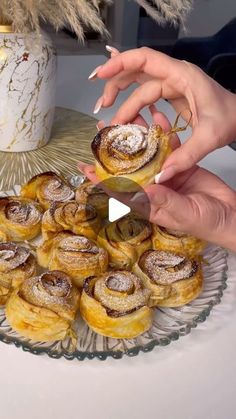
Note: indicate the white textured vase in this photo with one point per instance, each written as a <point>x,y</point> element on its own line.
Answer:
<point>27,91</point>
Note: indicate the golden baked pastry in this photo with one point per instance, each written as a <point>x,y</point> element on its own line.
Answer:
<point>44,307</point>
<point>130,152</point>
<point>78,256</point>
<point>47,188</point>
<point>173,279</point>
<point>125,240</point>
<point>175,241</point>
<point>79,218</point>
<point>115,304</point>
<point>88,193</point>
<point>20,218</point>
<point>3,237</point>
<point>16,265</point>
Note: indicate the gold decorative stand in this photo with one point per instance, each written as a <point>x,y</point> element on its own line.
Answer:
<point>70,142</point>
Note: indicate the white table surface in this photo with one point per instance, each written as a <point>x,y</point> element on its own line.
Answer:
<point>192,378</point>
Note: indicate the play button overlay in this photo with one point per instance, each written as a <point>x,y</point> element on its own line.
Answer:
<point>116,209</point>
<point>121,204</point>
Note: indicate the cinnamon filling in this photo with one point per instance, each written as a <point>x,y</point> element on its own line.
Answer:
<point>56,283</point>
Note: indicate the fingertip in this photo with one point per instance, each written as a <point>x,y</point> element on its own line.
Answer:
<point>100,125</point>
<point>113,51</point>
<point>81,166</point>
<point>91,174</point>
<point>166,174</point>
<point>86,169</point>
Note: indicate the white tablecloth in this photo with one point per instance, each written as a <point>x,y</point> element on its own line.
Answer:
<point>189,379</point>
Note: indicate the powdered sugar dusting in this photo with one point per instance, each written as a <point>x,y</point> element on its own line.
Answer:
<point>117,281</point>
<point>57,190</point>
<point>128,139</point>
<point>78,244</point>
<point>12,256</point>
<point>127,148</point>
<point>137,295</point>
<point>166,268</point>
<point>22,211</point>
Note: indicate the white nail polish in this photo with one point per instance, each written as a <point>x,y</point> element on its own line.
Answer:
<point>157,177</point>
<point>98,105</point>
<point>94,73</point>
<point>112,49</point>
<point>137,196</point>
<point>166,174</point>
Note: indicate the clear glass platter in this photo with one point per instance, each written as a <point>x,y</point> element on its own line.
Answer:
<point>169,323</point>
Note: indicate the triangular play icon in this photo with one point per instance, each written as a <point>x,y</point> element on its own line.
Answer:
<point>116,209</point>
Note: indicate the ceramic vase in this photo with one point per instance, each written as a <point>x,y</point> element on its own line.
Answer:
<point>27,86</point>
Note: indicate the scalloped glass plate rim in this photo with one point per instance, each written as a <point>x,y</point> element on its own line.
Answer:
<point>130,352</point>
<point>173,336</point>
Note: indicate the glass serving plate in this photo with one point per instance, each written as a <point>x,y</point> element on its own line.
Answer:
<point>169,323</point>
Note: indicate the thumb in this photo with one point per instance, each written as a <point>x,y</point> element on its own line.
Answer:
<point>163,206</point>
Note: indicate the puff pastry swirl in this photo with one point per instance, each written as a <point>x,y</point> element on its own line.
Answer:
<point>79,218</point>
<point>44,307</point>
<point>78,256</point>
<point>175,241</point>
<point>47,188</point>
<point>88,193</point>
<point>115,304</point>
<point>131,152</point>
<point>20,218</point>
<point>173,279</point>
<point>125,240</point>
<point>16,265</point>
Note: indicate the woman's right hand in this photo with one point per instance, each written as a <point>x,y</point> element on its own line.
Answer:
<point>186,87</point>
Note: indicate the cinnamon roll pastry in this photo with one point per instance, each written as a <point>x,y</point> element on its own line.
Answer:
<point>16,265</point>
<point>20,218</point>
<point>88,193</point>
<point>115,304</point>
<point>78,256</point>
<point>130,152</point>
<point>173,279</point>
<point>47,188</point>
<point>79,218</point>
<point>125,240</point>
<point>177,242</point>
<point>44,307</point>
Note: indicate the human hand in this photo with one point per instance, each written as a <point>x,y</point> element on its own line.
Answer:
<point>195,202</point>
<point>185,86</point>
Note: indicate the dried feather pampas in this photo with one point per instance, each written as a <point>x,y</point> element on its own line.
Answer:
<point>26,15</point>
<point>171,11</point>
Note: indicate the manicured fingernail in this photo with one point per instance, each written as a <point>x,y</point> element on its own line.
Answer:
<point>93,75</point>
<point>112,50</point>
<point>81,165</point>
<point>137,197</point>
<point>100,125</point>
<point>165,174</point>
<point>98,105</point>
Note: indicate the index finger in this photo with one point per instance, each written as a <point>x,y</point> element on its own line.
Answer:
<point>145,60</point>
